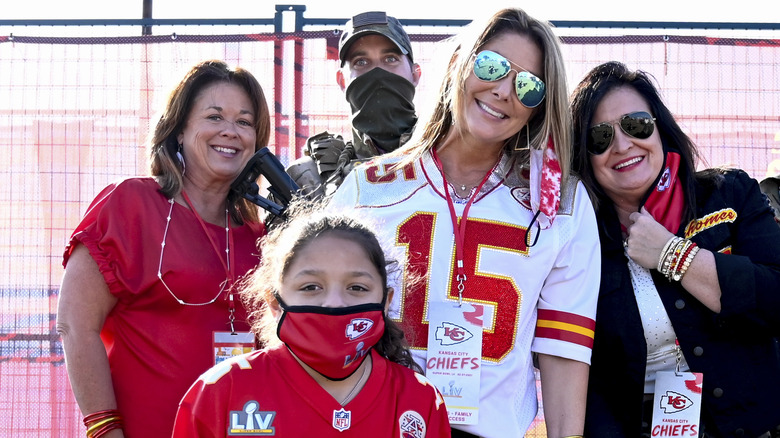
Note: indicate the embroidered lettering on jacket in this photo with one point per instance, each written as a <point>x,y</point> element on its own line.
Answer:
<point>696,226</point>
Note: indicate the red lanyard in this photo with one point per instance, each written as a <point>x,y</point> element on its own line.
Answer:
<point>228,262</point>
<point>459,230</point>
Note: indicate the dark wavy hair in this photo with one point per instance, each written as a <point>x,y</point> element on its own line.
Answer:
<point>586,98</point>
<point>163,145</point>
<point>282,246</point>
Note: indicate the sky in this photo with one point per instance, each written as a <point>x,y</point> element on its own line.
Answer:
<point>766,11</point>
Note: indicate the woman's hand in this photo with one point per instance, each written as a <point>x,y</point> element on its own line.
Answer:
<point>646,239</point>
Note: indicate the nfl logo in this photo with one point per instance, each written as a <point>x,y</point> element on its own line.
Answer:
<point>341,419</point>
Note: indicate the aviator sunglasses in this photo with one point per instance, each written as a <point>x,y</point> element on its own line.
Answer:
<point>489,66</point>
<point>639,124</point>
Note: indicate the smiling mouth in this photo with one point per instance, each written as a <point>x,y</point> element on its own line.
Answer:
<point>491,111</point>
<point>224,150</point>
<point>628,163</point>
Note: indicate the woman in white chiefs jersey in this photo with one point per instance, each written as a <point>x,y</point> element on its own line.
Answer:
<point>484,206</point>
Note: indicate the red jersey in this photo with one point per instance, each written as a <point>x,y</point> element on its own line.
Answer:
<point>268,393</point>
<point>157,347</point>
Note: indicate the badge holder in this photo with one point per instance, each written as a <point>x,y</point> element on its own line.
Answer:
<point>454,360</point>
<point>232,343</point>
<point>677,402</point>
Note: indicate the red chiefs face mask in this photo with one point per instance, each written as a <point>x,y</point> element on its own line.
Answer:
<point>332,341</point>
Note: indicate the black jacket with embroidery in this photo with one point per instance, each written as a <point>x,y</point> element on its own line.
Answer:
<point>737,350</point>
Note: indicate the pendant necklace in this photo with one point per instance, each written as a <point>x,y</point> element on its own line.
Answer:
<point>225,263</point>
<point>354,388</point>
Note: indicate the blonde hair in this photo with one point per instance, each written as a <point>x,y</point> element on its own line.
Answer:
<point>550,119</point>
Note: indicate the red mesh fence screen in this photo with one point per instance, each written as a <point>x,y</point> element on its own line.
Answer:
<point>75,113</point>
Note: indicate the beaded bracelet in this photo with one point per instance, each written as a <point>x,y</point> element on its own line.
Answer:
<point>679,250</point>
<point>676,258</point>
<point>662,256</point>
<point>672,255</point>
<point>687,263</point>
<point>681,263</point>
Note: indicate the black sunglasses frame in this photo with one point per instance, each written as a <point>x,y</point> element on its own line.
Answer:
<point>605,132</point>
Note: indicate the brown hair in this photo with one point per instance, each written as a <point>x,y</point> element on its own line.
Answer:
<point>163,145</point>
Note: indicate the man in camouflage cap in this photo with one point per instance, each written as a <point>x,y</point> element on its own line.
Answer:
<point>771,188</point>
<point>378,76</point>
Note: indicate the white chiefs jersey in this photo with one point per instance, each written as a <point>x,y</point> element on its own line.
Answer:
<point>539,298</point>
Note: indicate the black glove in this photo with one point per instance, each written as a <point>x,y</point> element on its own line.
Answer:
<point>325,148</point>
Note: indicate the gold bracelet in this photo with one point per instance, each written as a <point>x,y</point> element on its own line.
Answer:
<point>94,427</point>
<point>679,249</point>
<point>670,257</point>
<point>680,257</point>
<point>663,253</point>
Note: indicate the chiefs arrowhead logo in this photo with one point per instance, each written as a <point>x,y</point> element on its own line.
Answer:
<point>523,196</point>
<point>358,327</point>
<point>451,334</point>
<point>665,181</point>
<point>672,402</point>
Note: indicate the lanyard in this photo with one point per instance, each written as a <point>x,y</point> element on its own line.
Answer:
<point>459,230</point>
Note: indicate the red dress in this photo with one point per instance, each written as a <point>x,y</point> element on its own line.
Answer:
<point>268,393</point>
<point>156,346</point>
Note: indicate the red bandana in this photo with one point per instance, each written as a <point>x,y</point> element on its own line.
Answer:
<point>667,201</point>
<point>545,183</point>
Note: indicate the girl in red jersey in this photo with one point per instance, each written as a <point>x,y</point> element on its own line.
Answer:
<point>334,364</point>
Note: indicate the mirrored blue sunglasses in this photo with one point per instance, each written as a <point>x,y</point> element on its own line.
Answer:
<point>489,66</point>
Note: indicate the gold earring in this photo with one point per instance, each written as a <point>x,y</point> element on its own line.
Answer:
<point>527,140</point>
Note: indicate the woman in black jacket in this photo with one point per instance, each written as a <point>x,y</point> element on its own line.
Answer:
<point>690,267</point>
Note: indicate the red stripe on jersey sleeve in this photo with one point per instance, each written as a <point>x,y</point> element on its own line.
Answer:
<point>569,318</point>
<point>565,326</point>
<point>562,335</point>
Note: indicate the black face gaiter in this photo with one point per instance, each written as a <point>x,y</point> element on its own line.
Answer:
<point>382,107</point>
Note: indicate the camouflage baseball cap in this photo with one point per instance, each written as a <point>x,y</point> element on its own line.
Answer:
<point>374,23</point>
<point>770,186</point>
